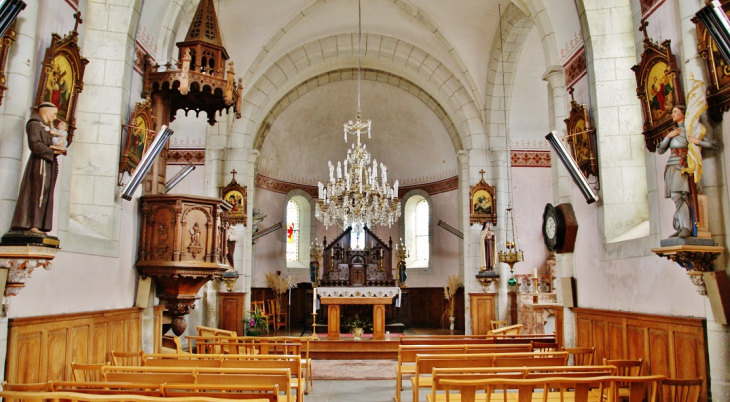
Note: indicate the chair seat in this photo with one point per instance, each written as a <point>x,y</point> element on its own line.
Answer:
<point>423,381</point>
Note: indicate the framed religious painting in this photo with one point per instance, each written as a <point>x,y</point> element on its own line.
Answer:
<point>62,77</point>
<point>582,138</point>
<point>658,87</point>
<point>483,205</point>
<point>235,195</point>
<point>5,43</point>
<point>140,133</point>
<point>718,71</point>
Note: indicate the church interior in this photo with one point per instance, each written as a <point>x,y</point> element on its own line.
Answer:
<point>358,179</point>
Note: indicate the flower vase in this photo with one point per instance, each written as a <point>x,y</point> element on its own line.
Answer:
<point>357,333</point>
<point>451,323</point>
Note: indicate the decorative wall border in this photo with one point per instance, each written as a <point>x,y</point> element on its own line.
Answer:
<point>531,159</point>
<point>283,187</point>
<point>575,67</point>
<point>184,156</point>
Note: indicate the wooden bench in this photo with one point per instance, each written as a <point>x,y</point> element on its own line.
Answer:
<point>31,396</point>
<point>269,393</point>
<point>108,388</point>
<point>291,362</point>
<point>568,389</point>
<point>426,363</point>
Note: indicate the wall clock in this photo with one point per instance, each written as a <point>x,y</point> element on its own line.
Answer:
<point>559,228</point>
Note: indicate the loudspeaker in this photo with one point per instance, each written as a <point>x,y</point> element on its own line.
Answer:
<point>143,292</point>
<point>718,291</point>
<point>570,299</point>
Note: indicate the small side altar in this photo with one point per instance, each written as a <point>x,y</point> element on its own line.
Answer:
<point>378,297</point>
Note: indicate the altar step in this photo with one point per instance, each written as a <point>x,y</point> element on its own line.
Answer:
<point>350,349</point>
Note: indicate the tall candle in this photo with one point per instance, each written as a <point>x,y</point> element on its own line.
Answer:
<point>534,272</point>
<point>314,301</point>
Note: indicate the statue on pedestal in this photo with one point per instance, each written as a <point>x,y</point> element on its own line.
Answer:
<point>679,179</point>
<point>34,210</point>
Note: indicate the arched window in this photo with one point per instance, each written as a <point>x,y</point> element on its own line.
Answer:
<point>298,229</point>
<point>422,248</point>
<point>292,231</point>
<point>416,229</point>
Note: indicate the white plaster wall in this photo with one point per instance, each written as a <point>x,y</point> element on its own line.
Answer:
<point>192,183</point>
<point>532,190</point>
<point>269,249</point>
<point>528,111</point>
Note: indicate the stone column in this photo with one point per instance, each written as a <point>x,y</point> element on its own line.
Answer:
<point>714,186</point>
<point>466,258</point>
<point>15,110</point>
<point>562,185</point>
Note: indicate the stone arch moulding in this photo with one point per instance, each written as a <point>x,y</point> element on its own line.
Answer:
<point>390,55</point>
<point>351,74</point>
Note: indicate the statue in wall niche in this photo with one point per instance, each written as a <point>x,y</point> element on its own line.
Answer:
<point>232,240</point>
<point>684,168</point>
<point>488,240</point>
<point>34,210</point>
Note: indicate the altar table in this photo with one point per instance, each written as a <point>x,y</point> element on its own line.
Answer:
<point>378,296</point>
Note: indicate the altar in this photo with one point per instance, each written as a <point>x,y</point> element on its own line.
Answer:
<point>378,297</point>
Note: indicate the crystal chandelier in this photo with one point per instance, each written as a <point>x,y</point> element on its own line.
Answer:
<point>357,196</point>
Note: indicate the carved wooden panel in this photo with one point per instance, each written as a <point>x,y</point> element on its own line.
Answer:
<point>671,346</point>
<point>482,312</point>
<point>42,348</point>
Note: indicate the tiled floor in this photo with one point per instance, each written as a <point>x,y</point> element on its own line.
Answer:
<point>355,391</point>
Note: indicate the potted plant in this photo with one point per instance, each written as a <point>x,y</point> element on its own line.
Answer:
<point>255,324</point>
<point>357,326</point>
<point>449,293</point>
<point>279,285</point>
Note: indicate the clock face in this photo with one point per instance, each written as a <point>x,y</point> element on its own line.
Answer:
<point>550,227</point>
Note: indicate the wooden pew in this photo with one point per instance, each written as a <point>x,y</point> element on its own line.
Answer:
<point>108,388</point>
<point>407,354</point>
<point>291,362</point>
<point>258,376</point>
<point>150,375</point>
<point>31,396</point>
<point>268,393</point>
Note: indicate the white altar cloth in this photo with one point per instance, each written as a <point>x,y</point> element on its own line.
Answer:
<point>360,291</point>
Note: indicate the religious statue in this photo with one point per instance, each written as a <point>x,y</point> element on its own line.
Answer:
<point>34,210</point>
<point>231,242</point>
<point>402,276</point>
<point>679,178</point>
<point>402,253</point>
<point>195,235</point>
<point>487,253</point>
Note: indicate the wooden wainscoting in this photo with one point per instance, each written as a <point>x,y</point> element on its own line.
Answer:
<point>669,345</point>
<point>42,348</point>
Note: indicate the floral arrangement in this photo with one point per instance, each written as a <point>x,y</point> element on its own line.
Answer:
<point>357,322</point>
<point>278,284</point>
<point>452,285</point>
<point>256,323</point>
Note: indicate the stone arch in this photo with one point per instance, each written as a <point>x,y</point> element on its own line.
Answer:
<point>351,74</point>
<point>388,54</point>
<point>615,109</point>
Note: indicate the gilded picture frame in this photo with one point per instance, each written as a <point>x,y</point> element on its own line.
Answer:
<point>62,78</point>
<point>582,138</point>
<point>235,195</point>
<point>140,132</point>
<point>483,203</point>
<point>718,72</point>
<point>658,86</point>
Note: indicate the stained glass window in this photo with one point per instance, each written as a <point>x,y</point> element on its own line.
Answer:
<point>292,231</point>
<point>421,232</point>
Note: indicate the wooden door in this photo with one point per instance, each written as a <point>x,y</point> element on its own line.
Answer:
<point>482,312</point>
<point>231,310</point>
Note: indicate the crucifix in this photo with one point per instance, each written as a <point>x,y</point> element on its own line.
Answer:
<point>79,21</point>
<point>233,172</point>
<point>481,172</point>
<point>642,28</point>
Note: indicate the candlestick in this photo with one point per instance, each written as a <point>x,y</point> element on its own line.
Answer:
<point>314,326</point>
<point>314,301</point>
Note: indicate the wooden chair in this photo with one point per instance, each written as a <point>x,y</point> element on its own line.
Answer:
<point>635,388</point>
<point>280,316</point>
<point>30,387</point>
<point>87,372</point>
<point>574,389</point>
<point>127,358</point>
<point>684,390</point>
<point>87,397</point>
<point>625,368</point>
<point>498,324</point>
<point>544,346</point>
<point>510,330</point>
<point>581,356</point>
